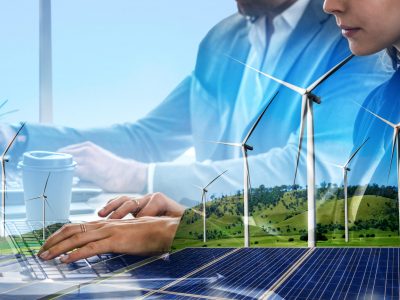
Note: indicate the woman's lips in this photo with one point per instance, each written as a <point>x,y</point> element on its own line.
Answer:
<point>349,31</point>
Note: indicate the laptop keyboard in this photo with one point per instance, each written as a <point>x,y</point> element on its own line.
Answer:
<point>27,239</point>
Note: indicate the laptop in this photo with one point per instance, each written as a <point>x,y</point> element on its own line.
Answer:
<point>25,275</point>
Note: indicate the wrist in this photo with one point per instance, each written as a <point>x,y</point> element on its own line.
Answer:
<point>137,181</point>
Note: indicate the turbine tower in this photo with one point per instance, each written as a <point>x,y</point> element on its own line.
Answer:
<point>308,98</point>
<point>346,169</point>
<point>5,159</point>
<point>203,200</point>
<point>43,196</point>
<point>246,179</point>
<point>396,132</point>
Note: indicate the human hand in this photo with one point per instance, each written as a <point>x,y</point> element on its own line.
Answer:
<point>141,236</point>
<point>110,172</point>
<point>156,204</point>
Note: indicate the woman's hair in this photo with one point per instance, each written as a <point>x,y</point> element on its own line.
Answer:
<point>394,56</point>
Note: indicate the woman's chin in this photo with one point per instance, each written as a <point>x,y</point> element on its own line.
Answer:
<point>361,50</point>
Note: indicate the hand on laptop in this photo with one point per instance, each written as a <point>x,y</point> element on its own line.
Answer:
<point>110,172</point>
<point>153,205</point>
<point>151,233</point>
<point>142,236</point>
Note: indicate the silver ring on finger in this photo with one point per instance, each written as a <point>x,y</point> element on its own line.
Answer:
<point>83,228</point>
<point>137,207</point>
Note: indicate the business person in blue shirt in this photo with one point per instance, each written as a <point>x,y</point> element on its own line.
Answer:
<point>210,88</point>
<point>292,39</point>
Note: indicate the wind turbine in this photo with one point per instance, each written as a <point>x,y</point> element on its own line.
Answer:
<point>308,98</point>
<point>346,169</point>
<point>396,132</point>
<point>5,159</point>
<point>203,200</point>
<point>43,196</point>
<point>246,179</point>
<point>7,112</point>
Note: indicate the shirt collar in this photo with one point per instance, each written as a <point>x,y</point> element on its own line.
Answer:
<point>290,17</point>
<point>293,14</point>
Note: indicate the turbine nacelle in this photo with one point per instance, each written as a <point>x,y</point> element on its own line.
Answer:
<point>248,147</point>
<point>314,98</point>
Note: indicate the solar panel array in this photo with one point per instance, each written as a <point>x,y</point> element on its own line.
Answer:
<point>346,273</point>
<point>246,273</point>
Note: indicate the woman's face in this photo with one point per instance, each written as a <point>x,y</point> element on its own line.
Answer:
<point>368,25</point>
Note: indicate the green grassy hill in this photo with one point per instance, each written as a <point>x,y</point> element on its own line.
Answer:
<point>286,219</point>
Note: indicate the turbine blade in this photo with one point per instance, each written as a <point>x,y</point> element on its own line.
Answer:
<point>355,152</point>
<point>51,208</point>
<point>395,136</point>
<point>197,186</point>
<point>335,165</point>
<point>259,119</point>
<point>203,203</point>
<point>301,135</point>
<point>34,198</point>
<point>215,178</point>
<point>229,144</point>
<point>324,77</point>
<point>293,87</point>
<point>4,103</point>
<point>248,175</point>
<point>13,139</point>
<point>374,114</point>
<point>8,112</point>
<point>45,186</point>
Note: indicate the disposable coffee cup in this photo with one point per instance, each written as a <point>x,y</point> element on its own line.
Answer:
<point>55,168</point>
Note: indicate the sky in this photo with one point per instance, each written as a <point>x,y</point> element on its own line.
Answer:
<point>113,61</point>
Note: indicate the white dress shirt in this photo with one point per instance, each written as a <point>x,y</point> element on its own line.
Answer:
<point>261,56</point>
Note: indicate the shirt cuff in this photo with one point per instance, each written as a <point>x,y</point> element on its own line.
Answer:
<point>150,177</point>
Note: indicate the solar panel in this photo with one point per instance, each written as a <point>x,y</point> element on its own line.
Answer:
<point>231,273</point>
<point>112,291</point>
<point>104,291</point>
<point>164,271</point>
<point>246,274</point>
<point>345,273</point>
<point>151,276</point>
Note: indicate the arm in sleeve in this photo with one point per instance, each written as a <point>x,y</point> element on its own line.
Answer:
<point>162,135</point>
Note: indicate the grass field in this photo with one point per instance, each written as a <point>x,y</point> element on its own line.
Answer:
<point>282,224</point>
<point>283,241</point>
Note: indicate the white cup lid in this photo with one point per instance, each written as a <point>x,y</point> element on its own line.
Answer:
<point>46,160</point>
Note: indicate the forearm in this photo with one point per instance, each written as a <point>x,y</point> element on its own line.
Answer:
<point>162,135</point>
<point>119,139</point>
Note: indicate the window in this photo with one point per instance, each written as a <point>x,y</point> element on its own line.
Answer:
<point>113,61</point>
